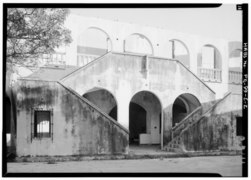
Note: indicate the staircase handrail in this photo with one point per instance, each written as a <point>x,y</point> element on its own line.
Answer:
<point>94,107</point>
<point>208,111</point>
<point>186,118</point>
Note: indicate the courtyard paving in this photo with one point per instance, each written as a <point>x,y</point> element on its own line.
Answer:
<point>223,165</point>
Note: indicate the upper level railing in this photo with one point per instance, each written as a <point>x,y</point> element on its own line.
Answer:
<point>55,59</point>
<point>235,77</point>
<point>206,74</point>
<point>83,59</point>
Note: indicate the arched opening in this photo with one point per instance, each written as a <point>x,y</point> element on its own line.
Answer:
<point>183,106</point>
<point>104,100</point>
<point>144,119</point>
<point>180,52</point>
<point>138,43</point>
<point>137,123</point>
<point>210,57</point>
<point>235,60</point>
<point>92,43</point>
<point>235,67</point>
<point>209,63</point>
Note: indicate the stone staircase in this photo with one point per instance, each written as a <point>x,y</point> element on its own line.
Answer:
<point>176,145</point>
<point>189,119</point>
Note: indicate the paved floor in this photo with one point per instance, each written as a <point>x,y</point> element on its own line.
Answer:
<point>224,165</point>
<point>147,150</point>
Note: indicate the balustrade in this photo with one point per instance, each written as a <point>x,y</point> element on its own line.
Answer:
<point>209,74</point>
<point>235,77</point>
<point>83,59</point>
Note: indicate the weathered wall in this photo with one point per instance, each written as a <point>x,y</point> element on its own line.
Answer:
<point>102,99</point>
<point>217,130</point>
<point>235,88</point>
<point>78,127</point>
<point>124,75</point>
<point>159,38</point>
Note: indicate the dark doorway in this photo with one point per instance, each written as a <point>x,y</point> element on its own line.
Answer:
<point>137,122</point>
<point>184,105</point>
<point>8,114</point>
<point>179,111</point>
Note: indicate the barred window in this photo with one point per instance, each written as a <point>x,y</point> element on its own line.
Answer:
<point>42,124</point>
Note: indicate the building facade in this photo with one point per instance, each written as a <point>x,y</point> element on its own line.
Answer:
<point>120,84</point>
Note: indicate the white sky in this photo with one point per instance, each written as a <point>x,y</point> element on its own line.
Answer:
<point>223,22</point>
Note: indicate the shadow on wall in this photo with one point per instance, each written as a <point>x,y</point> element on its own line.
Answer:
<point>103,99</point>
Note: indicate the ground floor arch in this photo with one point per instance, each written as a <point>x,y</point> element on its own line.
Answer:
<point>104,100</point>
<point>183,105</point>
<point>145,113</point>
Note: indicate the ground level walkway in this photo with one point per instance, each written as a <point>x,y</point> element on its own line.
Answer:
<point>147,150</point>
<point>223,165</point>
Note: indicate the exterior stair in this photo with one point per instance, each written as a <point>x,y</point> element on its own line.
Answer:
<point>176,145</point>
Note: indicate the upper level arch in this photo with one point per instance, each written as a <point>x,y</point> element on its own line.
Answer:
<point>210,63</point>
<point>235,60</point>
<point>235,53</point>
<point>210,57</point>
<point>180,52</point>
<point>138,43</point>
<point>92,43</point>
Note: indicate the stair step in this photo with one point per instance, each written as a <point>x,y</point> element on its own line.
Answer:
<point>173,149</point>
<point>173,146</point>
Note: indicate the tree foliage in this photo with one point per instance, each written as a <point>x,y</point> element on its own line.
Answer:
<point>32,32</point>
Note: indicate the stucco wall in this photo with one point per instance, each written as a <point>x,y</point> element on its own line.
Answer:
<point>125,75</point>
<point>102,99</point>
<point>78,127</point>
<point>159,39</point>
<point>234,88</point>
<point>217,130</point>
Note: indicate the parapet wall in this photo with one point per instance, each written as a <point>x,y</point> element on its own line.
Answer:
<point>217,130</point>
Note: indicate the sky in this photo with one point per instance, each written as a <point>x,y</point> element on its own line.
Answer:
<point>222,22</point>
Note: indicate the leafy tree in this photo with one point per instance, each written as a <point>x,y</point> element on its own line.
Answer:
<point>32,32</point>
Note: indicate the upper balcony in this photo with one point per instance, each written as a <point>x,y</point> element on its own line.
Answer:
<point>210,75</point>
<point>57,58</point>
<point>235,77</point>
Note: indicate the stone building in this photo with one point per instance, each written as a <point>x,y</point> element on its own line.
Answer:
<point>119,84</point>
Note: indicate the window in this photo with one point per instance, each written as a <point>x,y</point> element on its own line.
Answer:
<point>42,124</point>
<point>239,126</point>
